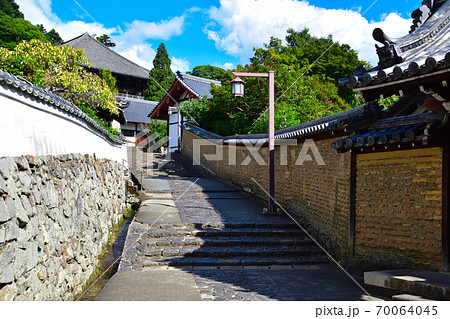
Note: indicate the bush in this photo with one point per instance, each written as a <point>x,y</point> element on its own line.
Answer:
<point>58,69</point>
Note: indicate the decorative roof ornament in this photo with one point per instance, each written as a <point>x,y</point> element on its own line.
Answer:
<point>387,53</point>
<point>423,52</point>
<point>421,15</point>
<point>395,51</point>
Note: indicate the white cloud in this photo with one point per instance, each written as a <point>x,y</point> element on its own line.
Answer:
<point>131,41</point>
<point>240,25</point>
<point>141,54</point>
<point>164,30</point>
<point>179,64</point>
<point>226,66</point>
<point>40,12</point>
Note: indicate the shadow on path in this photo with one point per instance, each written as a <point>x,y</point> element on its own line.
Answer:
<point>218,234</point>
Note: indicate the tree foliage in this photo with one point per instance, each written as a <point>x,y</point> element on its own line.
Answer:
<point>14,28</point>
<point>319,56</point>
<point>51,35</point>
<point>158,127</point>
<point>106,40</point>
<point>209,72</point>
<point>10,8</point>
<point>303,91</point>
<point>161,76</point>
<point>58,69</point>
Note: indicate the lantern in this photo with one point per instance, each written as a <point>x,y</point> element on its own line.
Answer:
<point>237,87</point>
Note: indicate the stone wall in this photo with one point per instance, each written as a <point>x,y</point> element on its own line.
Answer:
<point>318,195</point>
<point>56,214</point>
<point>399,208</point>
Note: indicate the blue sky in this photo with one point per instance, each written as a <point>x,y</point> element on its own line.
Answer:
<point>218,32</point>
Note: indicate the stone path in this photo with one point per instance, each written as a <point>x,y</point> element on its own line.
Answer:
<point>195,238</point>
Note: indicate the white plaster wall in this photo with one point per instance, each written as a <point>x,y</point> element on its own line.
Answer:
<point>33,127</point>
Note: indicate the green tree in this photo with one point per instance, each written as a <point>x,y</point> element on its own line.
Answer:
<point>308,98</point>
<point>106,40</point>
<point>58,69</point>
<point>7,31</point>
<point>305,87</point>
<point>156,126</point>
<point>14,30</point>
<point>51,35</point>
<point>209,72</point>
<point>161,76</point>
<point>10,8</point>
<point>109,80</point>
<point>319,56</point>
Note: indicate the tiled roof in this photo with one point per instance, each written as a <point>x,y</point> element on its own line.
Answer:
<point>20,84</point>
<point>197,85</point>
<point>324,125</point>
<point>332,122</point>
<point>102,57</point>
<point>137,110</point>
<point>425,50</point>
<point>400,129</point>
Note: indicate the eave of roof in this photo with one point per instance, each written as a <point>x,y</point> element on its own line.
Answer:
<point>426,50</point>
<point>101,57</point>
<point>392,131</point>
<point>136,110</point>
<point>326,125</point>
<point>20,84</point>
<point>186,81</point>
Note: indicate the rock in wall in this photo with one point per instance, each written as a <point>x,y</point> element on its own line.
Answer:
<point>56,215</point>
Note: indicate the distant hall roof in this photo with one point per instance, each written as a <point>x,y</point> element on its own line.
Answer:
<point>102,57</point>
<point>197,85</point>
<point>137,110</point>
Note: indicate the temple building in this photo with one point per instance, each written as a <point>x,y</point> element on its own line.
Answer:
<point>400,157</point>
<point>131,78</point>
<point>184,87</point>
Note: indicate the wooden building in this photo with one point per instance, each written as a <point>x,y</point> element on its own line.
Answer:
<point>184,87</point>
<point>400,163</point>
<point>131,78</point>
<point>135,113</point>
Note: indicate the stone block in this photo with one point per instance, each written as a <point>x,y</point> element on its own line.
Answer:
<point>7,166</point>
<point>22,163</point>
<point>25,182</point>
<point>21,214</point>
<point>8,293</point>
<point>4,211</point>
<point>11,230</point>
<point>7,274</point>
<point>37,195</point>
<point>20,263</point>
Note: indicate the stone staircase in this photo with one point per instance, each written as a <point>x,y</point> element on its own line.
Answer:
<point>191,220</point>
<point>411,285</point>
<point>230,245</point>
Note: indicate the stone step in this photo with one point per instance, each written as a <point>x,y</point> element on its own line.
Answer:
<point>212,251</point>
<point>227,232</point>
<point>228,241</point>
<point>234,261</point>
<point>407,297</point>
<point>202,226</point>
<point>428,284</point>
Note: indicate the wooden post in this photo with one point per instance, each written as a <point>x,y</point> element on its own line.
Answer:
<point>445,208</point>
<point>352,205</point>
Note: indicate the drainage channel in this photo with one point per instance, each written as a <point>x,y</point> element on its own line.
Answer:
<point>112,253</point>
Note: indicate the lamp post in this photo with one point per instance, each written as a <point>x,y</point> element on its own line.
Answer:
<point>237,90</point>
